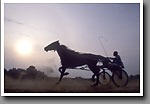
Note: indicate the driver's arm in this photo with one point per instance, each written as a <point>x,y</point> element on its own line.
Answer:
<point>111,58</point>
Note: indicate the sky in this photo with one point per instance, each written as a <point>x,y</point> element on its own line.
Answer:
<point>80,27</point>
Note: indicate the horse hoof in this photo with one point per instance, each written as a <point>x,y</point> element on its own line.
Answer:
<point>66,73</point>
<point>93,80</point>
<point>94,85</point>
<point>57,82</point>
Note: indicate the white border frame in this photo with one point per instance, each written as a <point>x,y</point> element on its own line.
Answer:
<point>72,94</point>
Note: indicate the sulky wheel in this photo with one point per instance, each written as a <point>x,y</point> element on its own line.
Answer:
<point>104,78</point>
<point>120,78</point>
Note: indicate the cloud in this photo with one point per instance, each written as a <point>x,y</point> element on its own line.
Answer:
<point>12,21</point>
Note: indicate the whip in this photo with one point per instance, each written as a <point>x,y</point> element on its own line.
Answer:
<point>102,46</point>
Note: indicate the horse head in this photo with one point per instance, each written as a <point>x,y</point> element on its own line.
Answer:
<point>52,46</point>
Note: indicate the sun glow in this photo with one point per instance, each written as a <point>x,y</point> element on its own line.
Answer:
<point>24,47</point>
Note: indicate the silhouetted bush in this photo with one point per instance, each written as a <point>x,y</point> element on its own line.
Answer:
<point>5,71</point>
<point>133,77</point>
<point>30,73</point>
<point>14,73</point>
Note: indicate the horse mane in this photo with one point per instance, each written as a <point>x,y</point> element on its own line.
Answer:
<point>68,50</point>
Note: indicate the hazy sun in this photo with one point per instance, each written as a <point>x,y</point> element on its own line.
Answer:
<point>24,47</point>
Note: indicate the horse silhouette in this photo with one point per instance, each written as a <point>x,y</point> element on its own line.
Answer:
<point>71,59</point>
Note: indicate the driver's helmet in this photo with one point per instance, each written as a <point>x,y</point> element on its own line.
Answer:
<point>115,53</point>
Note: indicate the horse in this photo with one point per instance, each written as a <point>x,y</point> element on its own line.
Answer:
<point>71,59</point>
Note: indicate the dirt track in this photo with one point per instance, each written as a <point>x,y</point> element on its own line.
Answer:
<point>67,85</point>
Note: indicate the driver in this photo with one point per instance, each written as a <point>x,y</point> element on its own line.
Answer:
<point>117,60</point>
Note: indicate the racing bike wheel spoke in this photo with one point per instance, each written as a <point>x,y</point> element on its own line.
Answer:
<point>104,78</point>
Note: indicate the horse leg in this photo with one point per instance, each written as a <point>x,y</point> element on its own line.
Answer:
<point>95,70</point>
<point>62,71</point>
<point>62,74</point>
<point>97,79</point>
<point>93,77</point>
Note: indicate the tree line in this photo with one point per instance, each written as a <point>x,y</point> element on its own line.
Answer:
<point>30,73</point>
